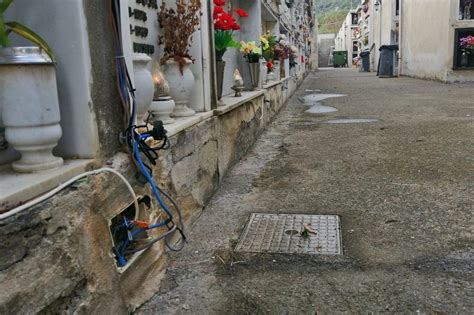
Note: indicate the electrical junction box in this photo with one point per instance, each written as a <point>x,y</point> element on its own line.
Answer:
<point>120,234</point>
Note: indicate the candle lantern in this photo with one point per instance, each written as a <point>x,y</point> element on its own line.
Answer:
<point>162,105</point>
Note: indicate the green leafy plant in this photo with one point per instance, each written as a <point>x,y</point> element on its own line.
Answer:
<point>6,28</point>
<point>225,25</point>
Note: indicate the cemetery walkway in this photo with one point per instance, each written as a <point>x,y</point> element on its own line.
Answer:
<point>394,162</point>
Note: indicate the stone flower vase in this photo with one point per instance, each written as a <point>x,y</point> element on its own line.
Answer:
<point>181,87</point>
<point>220,70</point>
<point>7,153</point>
<point>30,107</point>
<point>464,60</point>
<point>144,86</point>
<point>276,69</point>
<point>286,63</point>
<point>254,69</point>
<point>270,76</point>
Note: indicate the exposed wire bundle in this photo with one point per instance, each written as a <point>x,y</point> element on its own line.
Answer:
<point>136,138</point>
<point>124,83</point>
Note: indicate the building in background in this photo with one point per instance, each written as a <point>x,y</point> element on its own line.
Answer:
<point>347,37</point>
<point>432,36</point>
<point>431,47</point>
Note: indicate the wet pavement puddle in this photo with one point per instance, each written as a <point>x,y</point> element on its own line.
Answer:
<point>313,99</point>
<point>319,109</point>
<point>351,121</point>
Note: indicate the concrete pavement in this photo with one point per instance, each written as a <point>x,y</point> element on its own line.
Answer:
<point>403,187</point>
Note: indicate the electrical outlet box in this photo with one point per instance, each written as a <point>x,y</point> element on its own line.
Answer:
<point>120,233</point>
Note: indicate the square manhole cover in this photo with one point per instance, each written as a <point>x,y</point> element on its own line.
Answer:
<point>281,233</point>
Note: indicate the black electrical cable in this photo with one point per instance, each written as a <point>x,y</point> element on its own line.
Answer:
<point>181,223</point>
<point>158,132</point>
<point>153,241</point>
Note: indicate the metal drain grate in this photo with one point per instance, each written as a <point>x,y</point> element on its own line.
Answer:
<point>281,233</point>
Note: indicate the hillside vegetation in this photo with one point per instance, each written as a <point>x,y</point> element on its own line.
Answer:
<point>331,14</point>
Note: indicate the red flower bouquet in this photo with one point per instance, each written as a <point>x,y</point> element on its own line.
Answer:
<point>224,26</point>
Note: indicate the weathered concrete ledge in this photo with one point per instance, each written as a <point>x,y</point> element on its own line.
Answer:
<point>56,257</point>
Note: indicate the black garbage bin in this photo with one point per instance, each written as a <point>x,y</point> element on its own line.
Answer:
<point>387,61</point>
<point>365,59</point>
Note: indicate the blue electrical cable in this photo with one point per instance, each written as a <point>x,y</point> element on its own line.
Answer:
<point>127,93</point>
<point>152,184</point>
<point>121,260</point>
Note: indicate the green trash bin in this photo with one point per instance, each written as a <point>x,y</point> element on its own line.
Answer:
<point>340,58</point>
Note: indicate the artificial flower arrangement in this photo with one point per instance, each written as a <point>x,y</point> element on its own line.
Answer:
<point>251,51</point>
<point>178,27</point>
<point>293,56</point>
<point>268,42</point>
<point>466,43</point>
<point>282,49</point>
<point>224,26</point>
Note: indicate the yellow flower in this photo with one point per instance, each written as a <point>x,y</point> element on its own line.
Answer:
<point>257,50</point>
<point>264,41</point>
<point>248,47</point>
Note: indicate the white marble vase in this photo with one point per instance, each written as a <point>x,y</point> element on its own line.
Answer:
<point>144,85</point>
<point>30,107</point>
<point>181,87</point>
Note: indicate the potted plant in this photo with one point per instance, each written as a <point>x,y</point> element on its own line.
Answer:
<point>467,45</point>
<point>252,53</point>
<point>178,26</point>
<point>224,26</point>
<point>28,98</point>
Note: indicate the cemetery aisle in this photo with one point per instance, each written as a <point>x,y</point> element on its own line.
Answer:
<point>394,162</point>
